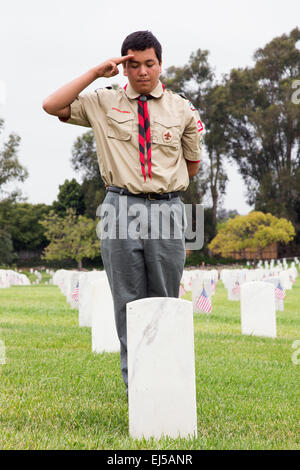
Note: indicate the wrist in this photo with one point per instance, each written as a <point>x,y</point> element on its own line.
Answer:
<point>96,72</point>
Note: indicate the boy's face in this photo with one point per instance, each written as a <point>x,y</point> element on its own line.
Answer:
<point>142,70</point>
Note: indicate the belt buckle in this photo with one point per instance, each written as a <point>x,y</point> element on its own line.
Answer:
<point>151,198</point>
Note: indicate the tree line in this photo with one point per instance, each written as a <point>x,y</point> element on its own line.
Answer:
<point>249,118</point>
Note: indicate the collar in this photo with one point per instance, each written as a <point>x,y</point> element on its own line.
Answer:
<point>157,92</point>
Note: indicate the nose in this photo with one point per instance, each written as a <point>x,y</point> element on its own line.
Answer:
<point>143,70</point>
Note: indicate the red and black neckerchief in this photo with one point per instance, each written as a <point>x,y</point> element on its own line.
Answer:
<point>144,132</point>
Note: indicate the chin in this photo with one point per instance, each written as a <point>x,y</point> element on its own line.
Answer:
<point>144,87</point>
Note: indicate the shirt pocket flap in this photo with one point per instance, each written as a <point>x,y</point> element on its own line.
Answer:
<point>119,116</point>
<point>166,131</point>
<point>119,125</point>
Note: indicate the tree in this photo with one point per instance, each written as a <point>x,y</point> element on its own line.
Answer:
<point>7,254</point>
<point>196,81</point>
<point>214,111</point>
<point>255,231</point>
<point>85,160</point>
<point>264,127</point>
<point>70,236</point>
<point>70,196</point>
<point>21,221</point>
<point>10,167</point>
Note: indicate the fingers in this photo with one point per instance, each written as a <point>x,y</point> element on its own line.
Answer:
<point>114,68</point>
<point>121,60</point>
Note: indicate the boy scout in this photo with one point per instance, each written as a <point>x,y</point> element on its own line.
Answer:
<point>148,144</point>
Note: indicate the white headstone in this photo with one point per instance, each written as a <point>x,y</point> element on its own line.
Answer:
<point>74,278</point>
<point>233,292</point>
<point>258,316</point>
<point>285,280</point>
<point>197,287</point>
<point>85,295</point>
<point>104,333</point>
<point>279,304</point>
<point>161,368</point>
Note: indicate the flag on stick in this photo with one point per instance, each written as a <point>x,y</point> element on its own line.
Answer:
<point>203,302</point>
<point>292,280</point>
<point>182,290</point>
<point>279,292</point>
<point>75,293</point>
<point>236,288</point>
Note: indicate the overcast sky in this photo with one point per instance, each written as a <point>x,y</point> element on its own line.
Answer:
<point>45,44</point>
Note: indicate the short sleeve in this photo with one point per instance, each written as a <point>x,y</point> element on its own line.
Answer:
<point>192,135</point>
<point>78,112</point>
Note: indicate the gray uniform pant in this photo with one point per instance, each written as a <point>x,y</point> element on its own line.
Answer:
<point>140,266</point>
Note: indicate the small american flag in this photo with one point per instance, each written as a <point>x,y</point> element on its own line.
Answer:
<point>236,288</point>
<point>182,290</point>
<point>75,293</point>
<point>292,280</point>
<point>279,292</point>
<point>213,285</point>
<point>203,302</point>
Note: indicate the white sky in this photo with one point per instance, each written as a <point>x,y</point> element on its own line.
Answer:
<point>45,44</point>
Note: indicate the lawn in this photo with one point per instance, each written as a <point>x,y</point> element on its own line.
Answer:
<point>56,394</point>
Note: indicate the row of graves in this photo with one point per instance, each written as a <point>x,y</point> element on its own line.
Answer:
<point>37,274</point>
<point>12,278</point>
<point>160,335</point>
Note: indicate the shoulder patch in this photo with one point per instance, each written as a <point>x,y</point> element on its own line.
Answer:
<point>192,106</point>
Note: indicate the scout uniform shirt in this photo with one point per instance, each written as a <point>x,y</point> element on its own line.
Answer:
<point>176,135</point>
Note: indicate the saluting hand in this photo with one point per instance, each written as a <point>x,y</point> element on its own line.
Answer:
<point>109,68</point>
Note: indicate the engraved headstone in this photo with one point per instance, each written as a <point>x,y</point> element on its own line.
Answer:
<point>258,316</point>
<point>161,368</point>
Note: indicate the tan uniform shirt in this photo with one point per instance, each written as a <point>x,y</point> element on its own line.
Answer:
<point>176,135</point>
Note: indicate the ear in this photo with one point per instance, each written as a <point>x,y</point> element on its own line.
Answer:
<point>124,69</point>
<point>160,67</point>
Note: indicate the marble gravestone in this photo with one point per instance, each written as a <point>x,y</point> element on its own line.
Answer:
<point>85,295</point>
<point>233,289</point>
<point>285,280</point>
<point>279,303</point>
<point>197,287</point>
<point>161,368</point>
<point>258,316</point>
<point>74,278</point>
<point>104,333</point>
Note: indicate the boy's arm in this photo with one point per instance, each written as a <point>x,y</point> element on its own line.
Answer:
<point>58,103</point>
<point>192,167</point>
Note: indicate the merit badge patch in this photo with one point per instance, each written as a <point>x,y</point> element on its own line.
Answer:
<point>192,106</point>
<point>167,136</point>
<point>200,126</point>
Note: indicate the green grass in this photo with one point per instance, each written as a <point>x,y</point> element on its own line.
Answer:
<point>56,394</point>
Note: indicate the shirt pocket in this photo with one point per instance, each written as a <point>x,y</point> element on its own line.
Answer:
<point>166,132</point>
<point>119,126</point>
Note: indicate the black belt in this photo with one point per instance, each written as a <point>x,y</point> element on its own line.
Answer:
<point>150,196</point>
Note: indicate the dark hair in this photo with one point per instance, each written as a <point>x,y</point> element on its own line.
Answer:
<point>139,41</point>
